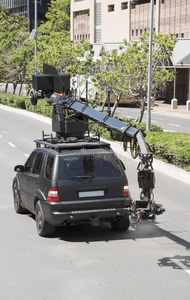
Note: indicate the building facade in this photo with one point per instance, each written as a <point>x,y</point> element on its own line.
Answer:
<point>100,21</point>
<point>26,8</point>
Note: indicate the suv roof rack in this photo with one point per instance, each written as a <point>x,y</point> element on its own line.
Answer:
<point>71,143</point>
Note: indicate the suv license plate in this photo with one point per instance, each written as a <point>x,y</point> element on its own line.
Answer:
<point>91,194</point>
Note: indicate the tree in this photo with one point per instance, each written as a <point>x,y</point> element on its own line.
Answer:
<point>129,69</point>
<point>58,18</point>
<point>111,76</point>
<point>13,32</point>
<point>20,61</point>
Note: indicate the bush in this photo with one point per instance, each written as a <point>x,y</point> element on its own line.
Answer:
<point>12,100</point>
<point>41,108</point>
<point>172,147</point>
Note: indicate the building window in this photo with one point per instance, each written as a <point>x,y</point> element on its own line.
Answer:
<point>98,35</point>
<point>124,5</point>
<point>111,7</point>
<point>182,35</point>
<point>177,35</point>
<point>133,5</point>
<point>141,31</point>
<point>82,12</point>
<point>137,32</point>
<point>98,13</point>
<point>163,1</point>
<point>132,32</point>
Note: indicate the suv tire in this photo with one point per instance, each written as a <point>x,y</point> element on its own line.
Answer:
<point>43,228</point>
<point>17,205</point>
<point>120,225</point>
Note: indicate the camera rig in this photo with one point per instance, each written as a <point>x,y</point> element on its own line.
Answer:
<point>70,122</point>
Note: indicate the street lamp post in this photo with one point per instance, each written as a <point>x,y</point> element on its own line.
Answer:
<point>150,68</point>
<point>36,20</point>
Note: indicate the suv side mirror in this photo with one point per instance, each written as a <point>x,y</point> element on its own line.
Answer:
<point>19,168</point>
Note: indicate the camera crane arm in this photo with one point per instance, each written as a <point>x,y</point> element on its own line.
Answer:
<point>55,89</point>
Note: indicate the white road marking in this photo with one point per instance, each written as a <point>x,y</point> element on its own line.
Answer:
<point>0,135</point>
<point>26,155</point>
<point>12,145</point>
<point>131,228</point>
<point>166,130</point>
<point>174,124</point>
<point>181,265</point>
<point>154,121</point>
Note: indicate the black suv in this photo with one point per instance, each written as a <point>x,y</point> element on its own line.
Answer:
<point>71,183</point>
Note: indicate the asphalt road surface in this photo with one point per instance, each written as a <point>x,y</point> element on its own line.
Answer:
<point>149,261</point>
<point>168,122</point>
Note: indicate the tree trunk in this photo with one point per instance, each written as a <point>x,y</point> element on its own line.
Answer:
<point>103,105</point>
<point>141,114</point>
<point>6,87</point>
<point>14,86</point>
<point>116,105</point>
<point>20,90</point>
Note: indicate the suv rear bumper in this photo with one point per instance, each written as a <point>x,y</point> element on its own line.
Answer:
<point>55,215</point>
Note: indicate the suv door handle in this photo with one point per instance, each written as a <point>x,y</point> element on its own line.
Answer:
<point>36,182</point>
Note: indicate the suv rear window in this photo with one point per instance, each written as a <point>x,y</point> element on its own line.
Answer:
<point>101,165</point>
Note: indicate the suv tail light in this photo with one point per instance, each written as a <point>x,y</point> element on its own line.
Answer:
<point>53,195</point>
<point>125,190</point>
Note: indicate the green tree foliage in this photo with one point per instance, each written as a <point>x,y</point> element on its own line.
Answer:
<point>13,33</point>
<point>126,73</point>
<point>53,45</point>
<point>58,18</point>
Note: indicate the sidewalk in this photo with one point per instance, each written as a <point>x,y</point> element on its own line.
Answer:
<point>165,108</point>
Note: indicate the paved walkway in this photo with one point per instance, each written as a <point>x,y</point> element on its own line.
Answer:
<point>165,108</point>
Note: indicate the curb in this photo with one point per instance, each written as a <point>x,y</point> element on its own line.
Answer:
<point>158,165</point>
<point>26,113</point>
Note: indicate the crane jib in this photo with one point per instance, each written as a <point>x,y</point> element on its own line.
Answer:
<point>126,129</point>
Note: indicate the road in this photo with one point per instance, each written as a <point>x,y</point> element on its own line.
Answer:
<point>150,261</point>
<point>166,121</point>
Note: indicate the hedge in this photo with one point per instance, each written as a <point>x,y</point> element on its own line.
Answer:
<point>12,100</point>
<point>171,147</point>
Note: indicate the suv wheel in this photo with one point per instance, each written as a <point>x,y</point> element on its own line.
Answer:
<point>18,208</point>
<point>120,225</point>
<point>43,228</point>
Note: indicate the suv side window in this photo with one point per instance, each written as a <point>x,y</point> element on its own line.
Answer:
<point>38,163</point>
<point>49,167</point>
<point>30,162</point>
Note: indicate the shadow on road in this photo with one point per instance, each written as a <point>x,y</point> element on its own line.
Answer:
<point>88,234</point>
<point>85,233</point>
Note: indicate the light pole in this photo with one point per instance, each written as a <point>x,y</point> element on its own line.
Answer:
<point>150,68</point>
<point>36,20</point>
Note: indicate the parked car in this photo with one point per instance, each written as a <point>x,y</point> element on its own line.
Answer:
<point>71,183</point>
